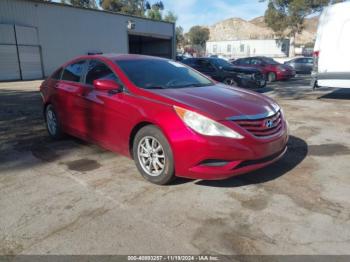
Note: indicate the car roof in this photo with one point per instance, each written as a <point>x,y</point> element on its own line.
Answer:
<point>118,57</point>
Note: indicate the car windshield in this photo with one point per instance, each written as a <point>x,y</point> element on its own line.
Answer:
<point>222,62</point>
<point>161,74</point>
<point>270,61</point>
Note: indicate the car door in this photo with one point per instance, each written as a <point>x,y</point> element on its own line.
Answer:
<point>299,64</point>
<point>206,67</point>
<point>66,91</point>
<point>104,112</point>
<point>309,64</point>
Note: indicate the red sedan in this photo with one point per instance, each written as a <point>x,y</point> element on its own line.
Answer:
<point>172,120</point>
<point>269,67</point>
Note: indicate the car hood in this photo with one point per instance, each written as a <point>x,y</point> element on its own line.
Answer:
<point>220,102</point>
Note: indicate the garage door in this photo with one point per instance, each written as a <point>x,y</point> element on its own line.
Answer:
<point>153,46</point>
<point>9,67</point>
<point>30,60</point>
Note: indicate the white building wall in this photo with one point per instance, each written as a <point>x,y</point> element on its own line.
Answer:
<point>244,48</point>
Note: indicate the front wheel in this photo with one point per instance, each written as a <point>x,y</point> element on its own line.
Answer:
<point>153,156</point>
<point>230,81</point>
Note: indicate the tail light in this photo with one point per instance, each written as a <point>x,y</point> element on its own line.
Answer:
<point>316,55</point>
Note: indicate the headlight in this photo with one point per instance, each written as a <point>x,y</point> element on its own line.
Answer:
<point>204,125</point>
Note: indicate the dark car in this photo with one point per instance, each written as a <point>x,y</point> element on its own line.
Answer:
<point>223,71</point>
<point>302,65</point>
<point>270,68</point>
<point>170,119</point>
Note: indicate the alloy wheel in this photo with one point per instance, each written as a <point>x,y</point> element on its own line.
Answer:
<point>51,122</point>
<point>151,156</point>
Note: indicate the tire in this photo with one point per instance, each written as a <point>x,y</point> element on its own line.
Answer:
<point>52,123</point>
<point>155,166</point>
<point>230,81</point>
<point>271,77</point>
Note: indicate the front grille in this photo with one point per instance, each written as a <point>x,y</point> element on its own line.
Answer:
<point>264,127</point>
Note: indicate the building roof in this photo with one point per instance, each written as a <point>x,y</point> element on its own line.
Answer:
<point>95,10</point>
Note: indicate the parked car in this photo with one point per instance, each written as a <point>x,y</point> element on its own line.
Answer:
<point>170,119</point>
<point>180,57</point>
<point>222,71</point>
<point>301,65</point>
<point>331,51</point>
<point>269,67</point>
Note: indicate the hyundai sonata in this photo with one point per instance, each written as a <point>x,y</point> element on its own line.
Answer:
<point>171,119</point>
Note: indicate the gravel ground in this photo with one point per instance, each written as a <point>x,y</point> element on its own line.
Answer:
<point>71,197</point>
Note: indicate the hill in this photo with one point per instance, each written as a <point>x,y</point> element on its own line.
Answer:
<point>238,28</point>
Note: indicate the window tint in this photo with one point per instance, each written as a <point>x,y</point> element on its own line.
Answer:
<point>57,74</point>
<point>270,61</point>
<point>221,62</point>
<point>161,74</point>
<point>244,61</point>
<point>73,72</point>
<point>205,65</point>
<point>98,70</point>
<point>255,61</point>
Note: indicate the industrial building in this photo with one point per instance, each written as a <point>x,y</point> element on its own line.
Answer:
<point>36,37</point>
<point>250,47</point>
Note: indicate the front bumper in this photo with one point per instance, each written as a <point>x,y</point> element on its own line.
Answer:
<point>213,158</point>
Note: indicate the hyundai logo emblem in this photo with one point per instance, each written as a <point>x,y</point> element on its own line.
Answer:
<point>269,123</point>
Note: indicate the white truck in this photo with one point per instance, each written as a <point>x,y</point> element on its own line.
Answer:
<point>332,48</point>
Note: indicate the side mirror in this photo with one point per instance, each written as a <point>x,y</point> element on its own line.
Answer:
<point>107,85</point>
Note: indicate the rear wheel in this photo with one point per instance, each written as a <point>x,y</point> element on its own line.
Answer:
<point>52,123</point>
<point>153,156</point>
<point>271,77</point>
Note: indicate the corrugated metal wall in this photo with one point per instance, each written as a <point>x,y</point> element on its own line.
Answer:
<point>66,32</point>
<point>9,63</point>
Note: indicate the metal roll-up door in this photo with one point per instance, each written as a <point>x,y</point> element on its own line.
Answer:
<point>30,60</point>
<point>9,66</point>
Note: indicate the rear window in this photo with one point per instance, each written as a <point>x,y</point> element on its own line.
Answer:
<point>270,61</point>
<point>73,72</point>
<point>161,74</point>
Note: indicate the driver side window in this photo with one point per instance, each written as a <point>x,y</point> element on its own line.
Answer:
<point>98,70</point>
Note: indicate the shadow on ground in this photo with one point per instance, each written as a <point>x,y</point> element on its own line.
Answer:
<point>296,153</point>
<point>343,93</point>
<point>22,130</point>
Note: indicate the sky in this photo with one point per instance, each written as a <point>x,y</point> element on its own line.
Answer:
<point>208,12</point>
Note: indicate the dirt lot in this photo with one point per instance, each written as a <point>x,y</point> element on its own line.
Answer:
<point>70,197</point>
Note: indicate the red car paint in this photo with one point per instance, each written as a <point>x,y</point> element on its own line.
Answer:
<point>267,65</point>
<point>111,120</point>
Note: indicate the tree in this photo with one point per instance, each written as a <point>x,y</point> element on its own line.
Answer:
<point>155,11</point>
<point>81,3</point>
<point>198,35</point>
<point>180,38</point>
<point>286,17</point>
<point>170,17</point>
<point>132,7</point>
